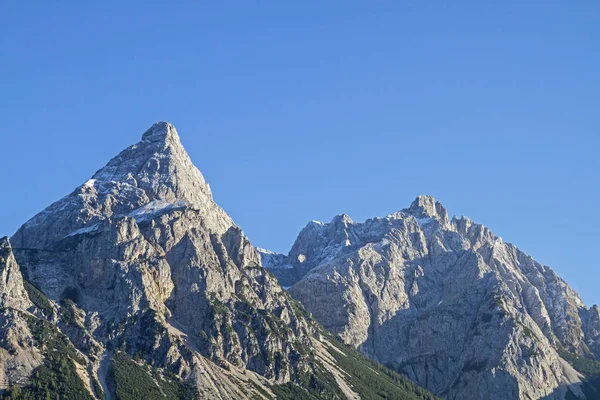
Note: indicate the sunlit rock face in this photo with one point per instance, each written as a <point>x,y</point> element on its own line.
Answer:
<point>18,354</point>
<point>153,266</point>
<point>443,300</point>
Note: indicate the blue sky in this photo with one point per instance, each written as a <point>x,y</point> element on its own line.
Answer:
<point>302,110</point>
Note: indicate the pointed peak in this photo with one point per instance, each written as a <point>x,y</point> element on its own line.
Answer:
<point>12,291</point>
<point>161,131</point>
<point>342,218</point>
<point>162,168</point>
<point>424,206</point>
<point>423,199</point>
<point>152,161</point>
<point>314,225</point>
<point>147,179</point>
<point>427,207</point>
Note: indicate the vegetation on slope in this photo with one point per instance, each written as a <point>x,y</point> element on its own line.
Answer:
<point>316,385</point>
<point>134,381</point>
<point>589,368</point>
<point>38,299</point>
<point>368,379</point>
<point>57,377</point>
<point>373,381</point>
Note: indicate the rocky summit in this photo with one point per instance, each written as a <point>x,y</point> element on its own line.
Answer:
<point>138,285</point>
<point>447,303</point>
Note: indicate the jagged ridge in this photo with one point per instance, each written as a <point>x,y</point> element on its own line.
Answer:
<point>445,301</point>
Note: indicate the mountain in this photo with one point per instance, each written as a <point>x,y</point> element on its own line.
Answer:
<point>446,302</point>
<point>138,285</point>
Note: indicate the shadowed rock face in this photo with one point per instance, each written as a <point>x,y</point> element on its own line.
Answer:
<point>447,302</point>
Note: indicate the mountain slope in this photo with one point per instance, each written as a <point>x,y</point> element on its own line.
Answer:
<point>444,301</point>
<point>152,282</point>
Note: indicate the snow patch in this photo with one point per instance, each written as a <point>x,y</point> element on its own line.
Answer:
<point>85,229</point>
<point>271,260</point>
<point>265,251</point>
<point>90,183</point>
<point>156,208</point>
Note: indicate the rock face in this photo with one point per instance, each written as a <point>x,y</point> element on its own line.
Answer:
<point>18,354</point>
<point>444,301</point>
<point>12,291</point>
<point>140,261</point>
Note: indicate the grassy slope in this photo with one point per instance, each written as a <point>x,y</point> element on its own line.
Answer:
<point>138,381</point>
<point>56,378</point>
<point>373,381</point>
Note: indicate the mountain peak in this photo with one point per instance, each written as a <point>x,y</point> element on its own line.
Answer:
<point>341,219</point>
<point>426,206</point>
<point>155,155</point>
<point>161,131</point>
<point>150,177</point>
<point>160,166</point>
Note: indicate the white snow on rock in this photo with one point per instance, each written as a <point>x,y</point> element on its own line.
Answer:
<point>86,229</point>
<point>156,208</point>
<point>265,251</point>
<point>270,259</point>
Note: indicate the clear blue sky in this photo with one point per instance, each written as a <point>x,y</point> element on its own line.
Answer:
<point>302,110</point>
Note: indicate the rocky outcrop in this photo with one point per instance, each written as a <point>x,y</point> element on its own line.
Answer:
<point>18,353</point>
<point>446,302</point>
<point>12,291</point>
